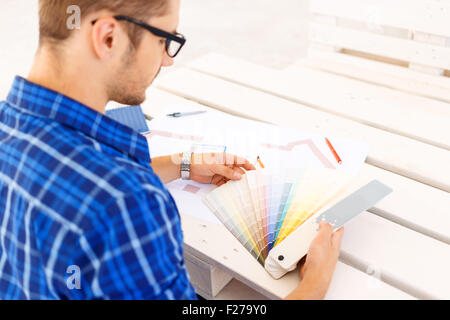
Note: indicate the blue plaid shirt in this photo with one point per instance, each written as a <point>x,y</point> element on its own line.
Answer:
<point>82,214</point>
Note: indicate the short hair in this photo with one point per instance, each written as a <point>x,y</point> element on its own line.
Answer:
<point>53,16</point>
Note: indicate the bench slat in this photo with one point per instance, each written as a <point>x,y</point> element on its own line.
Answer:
<point>420,118</point>
<point>428,16</point>
<point>426,213</point>
<point>404,258</point>
<point>391,76</point>
<point>402,49</point>
<point>364,286</point>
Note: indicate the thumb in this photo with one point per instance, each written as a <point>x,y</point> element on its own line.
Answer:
<point>336,239</point>
<point>325,230</point>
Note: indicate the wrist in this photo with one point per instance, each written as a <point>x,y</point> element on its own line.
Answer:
<point>307,291</point>
<point>311,287</point>
<point>316,276</point>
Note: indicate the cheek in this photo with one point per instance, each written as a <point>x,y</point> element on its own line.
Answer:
<point>151,61</point>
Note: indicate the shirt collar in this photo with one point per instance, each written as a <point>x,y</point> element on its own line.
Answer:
<point>43,102</point>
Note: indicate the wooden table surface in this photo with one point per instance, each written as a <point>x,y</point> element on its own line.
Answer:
<point>400,249</point>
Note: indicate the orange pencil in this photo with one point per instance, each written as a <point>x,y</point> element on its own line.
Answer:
<point>333,151</point>
<point>260,163</point>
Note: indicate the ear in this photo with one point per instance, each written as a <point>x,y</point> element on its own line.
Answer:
<point>105,34</point>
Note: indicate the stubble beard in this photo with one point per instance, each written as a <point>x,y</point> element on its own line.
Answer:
<point>126,87</point>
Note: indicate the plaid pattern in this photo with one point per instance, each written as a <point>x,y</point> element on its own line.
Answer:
<point>82,215</point>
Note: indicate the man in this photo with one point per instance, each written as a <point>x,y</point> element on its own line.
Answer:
<point>79,194</point>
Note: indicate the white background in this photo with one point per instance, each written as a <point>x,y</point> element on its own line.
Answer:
<point>267,32</point>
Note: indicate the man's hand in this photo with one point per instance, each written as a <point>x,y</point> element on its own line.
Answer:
<point>215,168</point>
<point>218,168</point>
<point>318,266</point>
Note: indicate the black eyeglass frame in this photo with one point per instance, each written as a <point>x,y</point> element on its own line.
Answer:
<point>177,37</point>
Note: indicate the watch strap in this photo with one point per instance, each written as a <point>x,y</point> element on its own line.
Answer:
<point>186,166</point>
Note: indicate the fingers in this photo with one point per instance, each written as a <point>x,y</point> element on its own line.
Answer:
<point>227,172</point>
<point>244,163</point>
<point>216,179</point>
<point>325,230</point>
<point>229,166</point>
<point>221,182</point>
<point>302,267</point>
<point>327,237</point>
<point>235,161</point>
<point>336,238</point>
<point>239,170</point>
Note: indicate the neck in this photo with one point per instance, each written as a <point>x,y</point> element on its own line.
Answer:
<point>68,78</point>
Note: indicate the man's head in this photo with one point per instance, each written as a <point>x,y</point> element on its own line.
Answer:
<point>122,56</point>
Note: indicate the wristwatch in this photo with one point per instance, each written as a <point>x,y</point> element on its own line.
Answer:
<point>186,166</point>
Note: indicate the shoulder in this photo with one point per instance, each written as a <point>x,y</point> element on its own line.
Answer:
<point>92,176</point>
<point>102,164</point>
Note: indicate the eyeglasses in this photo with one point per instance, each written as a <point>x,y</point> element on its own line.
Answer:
<point>174,41</point>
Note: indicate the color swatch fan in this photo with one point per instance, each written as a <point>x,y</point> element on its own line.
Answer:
<point>264,207</point>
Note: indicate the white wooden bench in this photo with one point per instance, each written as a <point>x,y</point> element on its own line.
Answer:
<point>378,71</point>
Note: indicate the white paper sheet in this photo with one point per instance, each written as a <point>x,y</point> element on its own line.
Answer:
<point>277,147</point>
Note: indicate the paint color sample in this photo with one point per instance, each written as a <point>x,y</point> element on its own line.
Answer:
<point>265,206</point>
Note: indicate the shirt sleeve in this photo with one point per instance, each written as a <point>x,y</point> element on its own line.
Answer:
<point>135,251</point>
